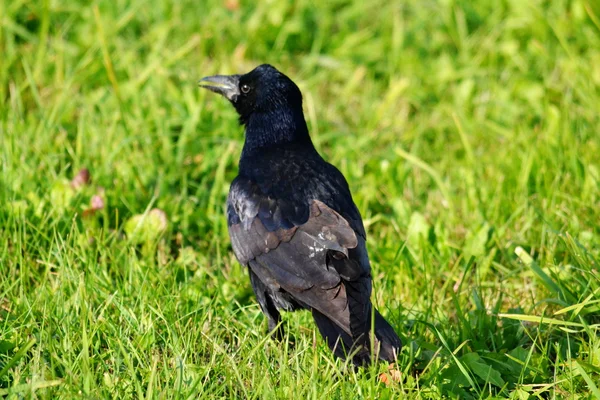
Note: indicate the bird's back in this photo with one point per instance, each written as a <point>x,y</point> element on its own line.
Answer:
<point>295,176</point>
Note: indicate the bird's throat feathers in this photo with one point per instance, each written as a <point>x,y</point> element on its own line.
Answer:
<point>279,127</point>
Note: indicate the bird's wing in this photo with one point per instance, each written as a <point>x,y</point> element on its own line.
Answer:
<point>317,258</point>
<point>299,254</point>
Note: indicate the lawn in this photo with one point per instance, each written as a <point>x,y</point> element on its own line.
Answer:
<point>469,133</point>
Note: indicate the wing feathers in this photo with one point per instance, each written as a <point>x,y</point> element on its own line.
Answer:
<point>321,263</point>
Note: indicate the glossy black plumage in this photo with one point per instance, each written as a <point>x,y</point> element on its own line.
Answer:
<point>293,223</point>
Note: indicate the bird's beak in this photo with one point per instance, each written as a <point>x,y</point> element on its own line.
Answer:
<point>226,85</point>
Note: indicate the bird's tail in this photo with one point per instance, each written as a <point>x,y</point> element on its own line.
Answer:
<point>339,341</point>
<point>387,344</point>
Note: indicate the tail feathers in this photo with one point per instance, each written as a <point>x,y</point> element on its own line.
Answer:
<point>387,343</point>
<point>339,341</point>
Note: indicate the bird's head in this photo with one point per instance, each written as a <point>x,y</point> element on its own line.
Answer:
<point>264,90</point>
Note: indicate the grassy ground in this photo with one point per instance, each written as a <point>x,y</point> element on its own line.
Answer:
<point>469,133</point>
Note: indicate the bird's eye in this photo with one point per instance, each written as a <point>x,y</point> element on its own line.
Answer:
<point>245,88</point>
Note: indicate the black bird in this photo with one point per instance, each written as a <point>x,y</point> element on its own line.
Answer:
<point>293,223</point>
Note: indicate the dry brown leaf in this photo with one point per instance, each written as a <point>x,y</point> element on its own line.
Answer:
<point>232,5</point>
<point>393,375</point>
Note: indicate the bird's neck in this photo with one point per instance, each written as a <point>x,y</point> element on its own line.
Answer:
<point>270,130</point>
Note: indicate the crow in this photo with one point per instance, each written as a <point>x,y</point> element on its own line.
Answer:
<point>293,223</point>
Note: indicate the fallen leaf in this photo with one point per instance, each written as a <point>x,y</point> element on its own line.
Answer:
<point>232,5</point>
<point>392,375</point>
<point>146,227</point>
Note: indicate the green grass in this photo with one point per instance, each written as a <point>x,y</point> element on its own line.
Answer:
<point>469,133</point>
